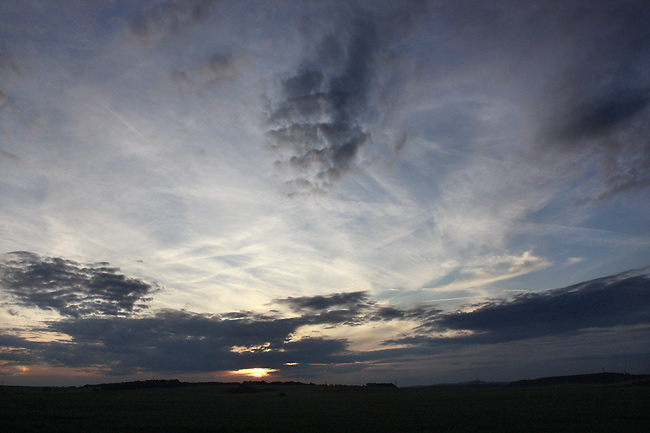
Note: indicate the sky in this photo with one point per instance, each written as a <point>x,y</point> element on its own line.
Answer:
<point>412,192</point>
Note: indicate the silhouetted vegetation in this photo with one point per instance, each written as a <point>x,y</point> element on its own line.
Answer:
<point>208,407</point>
<point>140,384</point>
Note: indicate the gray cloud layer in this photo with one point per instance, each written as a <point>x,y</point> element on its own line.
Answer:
<point>354,300</point>
<point>70,288</point>
<point>174,341</point>
<point>620,300</point>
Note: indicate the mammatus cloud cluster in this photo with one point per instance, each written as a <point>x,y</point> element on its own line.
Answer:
<point>97,305</point>
<point>327,108</point>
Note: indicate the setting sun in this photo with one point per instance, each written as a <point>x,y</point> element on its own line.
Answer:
<point>255,372</point>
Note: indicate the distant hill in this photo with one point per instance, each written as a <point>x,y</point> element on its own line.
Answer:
<point>587,379</point>
<point>578,379</point>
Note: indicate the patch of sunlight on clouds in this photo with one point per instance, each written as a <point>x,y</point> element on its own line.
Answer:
<point>266,347</point>
<point>363,337</point>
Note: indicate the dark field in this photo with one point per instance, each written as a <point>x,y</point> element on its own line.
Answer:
<point>304,408</point>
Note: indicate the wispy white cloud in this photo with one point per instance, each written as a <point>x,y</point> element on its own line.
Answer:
<point>480,273</point>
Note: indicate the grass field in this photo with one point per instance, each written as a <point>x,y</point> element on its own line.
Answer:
<point>328,409</point>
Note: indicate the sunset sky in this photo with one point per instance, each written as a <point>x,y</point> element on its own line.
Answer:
<point>344,192</point>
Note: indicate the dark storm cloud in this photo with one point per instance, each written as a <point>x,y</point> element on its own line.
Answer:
<point>168,18</point>
<point>70,288</point>
<point>329,105</point>
<point>620,300</point>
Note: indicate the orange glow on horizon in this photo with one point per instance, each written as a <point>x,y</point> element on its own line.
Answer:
<point>254,372</point>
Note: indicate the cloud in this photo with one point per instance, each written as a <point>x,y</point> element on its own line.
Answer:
<point>319,123</point>
<point>602,117</point>
<point>573,260</point>
<point>9,65</point>
<point>94,300</point>
<point>613,130</point>
<point>6,156</point>
<point>332,310</point>
<point>420,313</point>
<point>576,74</point>
<point>599,105</point>
<point>350,300</point>
<point>168,18</point>
<point>619,300</point>
<point>70,288</point>
<point>172,342</point>
<point>493,268</point>
<point>327,108</point>
<point>351,308</point>
<point>211,70</point>
<point>178,341</point>
<point>9,68</point>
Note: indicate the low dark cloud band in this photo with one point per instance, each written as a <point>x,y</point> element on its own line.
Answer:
<point>98,304</point>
